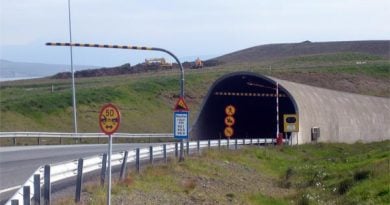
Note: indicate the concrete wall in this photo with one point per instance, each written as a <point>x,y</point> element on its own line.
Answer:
<point>342,117</point>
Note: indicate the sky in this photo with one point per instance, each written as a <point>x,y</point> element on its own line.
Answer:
<point>188,28</point>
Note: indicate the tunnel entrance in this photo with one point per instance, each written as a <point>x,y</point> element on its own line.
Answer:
<point>242,105</point>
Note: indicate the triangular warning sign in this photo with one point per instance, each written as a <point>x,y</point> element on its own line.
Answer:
<point>181,104</point>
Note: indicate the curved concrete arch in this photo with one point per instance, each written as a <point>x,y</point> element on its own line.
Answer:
<point>341,116</point>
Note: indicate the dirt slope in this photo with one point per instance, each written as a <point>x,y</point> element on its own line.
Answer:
<point>286,50</point>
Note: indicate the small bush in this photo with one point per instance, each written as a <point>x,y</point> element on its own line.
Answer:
<point>289,173</point>
<point>230,196</point>
<point>361,175</point>
<point>344,186</point>
<point>304,200</point>
<point>188,185</point>
<point>285,183</point>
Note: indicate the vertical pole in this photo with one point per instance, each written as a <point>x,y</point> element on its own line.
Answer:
<point>79,181</point>
<point>181,158</point>
<point>188,147</point>
<point>109,170</point>
<point>165,152</point>
<point>277,109</point>
<point>198,146</point>
<point>219,143</point>
<point>235,143</point>
<point>176,150</point>
<point>124,166</point>
<point>151,155</point>
<point>38,140</point>
<point>104,169</point>
<point>47,186</point>
<point>137,161</point>
<point>37,189</point>
<point>14,140</point>
<point>228,143</point>
<point>72,71</point>
<point>26,195</point>
<point>209,143</point>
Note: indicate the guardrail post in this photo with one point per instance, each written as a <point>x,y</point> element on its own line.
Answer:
<point>198,146</point>
<point>176,150</point>
<point>104,169</point>
<point>151,155</point>
<point>37,189</point>
<point>228,143</point>
<point>14,142</point>
<point>38,140</point>
<point>26,195</point>
<point>251,141</point>
<point>188,147</point>
<point>235,143</point>
<point>124,166</point>
<point>209,144</point>
<point>47,186</point>
<point>14,202</point>
<point>165,152</point>
<point>60,140</point>
<point>79,181</point>
<point>219,144</point>
<point>137,160</point>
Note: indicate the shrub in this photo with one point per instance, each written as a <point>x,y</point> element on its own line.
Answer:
<point>344,186</point>
<point>361,175</point>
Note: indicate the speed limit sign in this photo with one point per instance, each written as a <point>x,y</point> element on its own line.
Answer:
<point>109,119</point>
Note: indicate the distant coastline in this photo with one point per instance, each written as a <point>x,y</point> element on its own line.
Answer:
<point>2,79</point>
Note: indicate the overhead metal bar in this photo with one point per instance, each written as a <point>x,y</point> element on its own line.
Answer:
<point>128,47</point>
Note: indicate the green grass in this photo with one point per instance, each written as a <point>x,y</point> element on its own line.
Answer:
<point>306,174</point>
<point>31,105</point>
<point>334,57</point>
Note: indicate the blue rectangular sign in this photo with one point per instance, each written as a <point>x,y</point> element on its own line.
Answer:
<point>180,125</point>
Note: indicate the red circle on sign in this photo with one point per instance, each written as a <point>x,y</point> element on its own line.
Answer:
<point>109,119</point>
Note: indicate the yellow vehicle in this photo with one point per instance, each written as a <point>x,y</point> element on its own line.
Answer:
<point>198,64</point>
<point>158,62</point>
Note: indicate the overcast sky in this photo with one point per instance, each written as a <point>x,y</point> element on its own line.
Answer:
<point>188,28</point>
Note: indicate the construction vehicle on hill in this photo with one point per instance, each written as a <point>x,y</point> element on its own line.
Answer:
<point>198,64</point>
<point>158,63</point>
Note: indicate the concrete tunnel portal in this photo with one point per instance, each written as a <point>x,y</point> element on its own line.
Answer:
<point>242,105</point>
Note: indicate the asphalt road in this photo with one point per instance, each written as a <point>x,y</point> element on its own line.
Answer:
<point>18,163</point>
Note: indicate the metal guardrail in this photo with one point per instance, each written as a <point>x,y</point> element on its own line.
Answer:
<point>65,170</point>
<point>81,135</point>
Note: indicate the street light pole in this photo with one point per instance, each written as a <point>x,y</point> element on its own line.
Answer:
<point>72,71</point>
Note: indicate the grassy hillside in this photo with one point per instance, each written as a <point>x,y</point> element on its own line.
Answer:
<point>306,174</point>
<point>146,100</point>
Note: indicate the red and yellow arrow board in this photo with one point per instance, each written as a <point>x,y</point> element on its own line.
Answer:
<point>101,46</point>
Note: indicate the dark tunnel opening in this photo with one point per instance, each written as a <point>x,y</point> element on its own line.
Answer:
<point>242,105</point>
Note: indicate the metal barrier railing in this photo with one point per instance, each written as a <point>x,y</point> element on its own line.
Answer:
<point>65,170</point>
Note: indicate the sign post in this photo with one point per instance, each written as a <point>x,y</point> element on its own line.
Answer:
<point>109,120</point>
<point>180,124</point>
